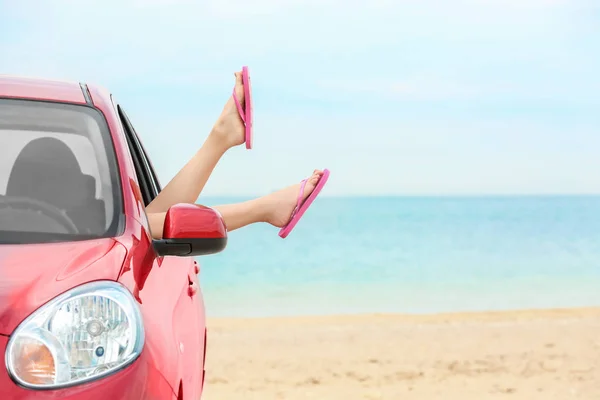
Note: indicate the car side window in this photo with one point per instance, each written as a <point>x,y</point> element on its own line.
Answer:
<point>148,164</point>
<point>149,185</point>
<point>146,160</point>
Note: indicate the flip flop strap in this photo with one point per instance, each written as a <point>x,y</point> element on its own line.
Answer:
<point>300,198</point>
<point>239,107</point>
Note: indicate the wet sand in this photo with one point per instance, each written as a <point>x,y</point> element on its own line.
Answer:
<point>549,354</point>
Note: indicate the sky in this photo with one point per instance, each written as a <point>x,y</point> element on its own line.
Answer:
<point>395,97</point>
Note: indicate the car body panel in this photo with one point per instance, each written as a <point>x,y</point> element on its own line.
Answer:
<point>173,314</point>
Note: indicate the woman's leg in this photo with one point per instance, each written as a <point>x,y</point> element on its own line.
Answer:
<point>235,216</point>
<point>187,185</point>
<point>275,208</point>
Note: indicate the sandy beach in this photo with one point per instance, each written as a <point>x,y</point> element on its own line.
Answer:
<point>550,354</point>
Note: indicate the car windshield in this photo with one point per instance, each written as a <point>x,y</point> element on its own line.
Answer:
<point>58,173</point>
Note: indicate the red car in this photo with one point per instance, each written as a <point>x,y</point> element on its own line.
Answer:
<point>91,307</point>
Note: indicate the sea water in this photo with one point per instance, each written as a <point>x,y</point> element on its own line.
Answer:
<point>411,255</point>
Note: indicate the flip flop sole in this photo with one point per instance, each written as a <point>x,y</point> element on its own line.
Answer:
<point>246,113</point>
<point>248,103</point>
<point>285,231</point>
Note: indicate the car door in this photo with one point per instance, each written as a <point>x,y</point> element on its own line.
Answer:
<point>178,274</point>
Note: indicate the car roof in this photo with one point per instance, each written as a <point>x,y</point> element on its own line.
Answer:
<point>22,87</point>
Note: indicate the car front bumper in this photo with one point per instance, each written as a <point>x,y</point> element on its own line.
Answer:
<point>141,380</point>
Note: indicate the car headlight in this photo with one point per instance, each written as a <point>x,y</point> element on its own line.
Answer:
<point>81,335</point>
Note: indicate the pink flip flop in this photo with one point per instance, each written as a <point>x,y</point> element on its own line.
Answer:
<point>246,114</point>
<point>301,206</point>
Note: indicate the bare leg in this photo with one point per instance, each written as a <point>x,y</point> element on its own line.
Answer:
<point>275,209</point>
<point>187,185</point>
<point>235,216</point>
<point>241,214</point>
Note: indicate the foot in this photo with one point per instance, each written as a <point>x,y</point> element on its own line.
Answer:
<point>280,205</point>
<point>229,129</point>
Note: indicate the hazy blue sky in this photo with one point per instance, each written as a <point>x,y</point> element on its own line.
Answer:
<point>394,96</point>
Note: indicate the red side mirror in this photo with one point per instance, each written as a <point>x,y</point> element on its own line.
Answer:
<point>192,230</point>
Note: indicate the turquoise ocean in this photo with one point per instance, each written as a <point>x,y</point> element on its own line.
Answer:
<point>411,255</point>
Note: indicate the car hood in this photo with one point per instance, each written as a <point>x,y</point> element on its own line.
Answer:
<point>32,274</point>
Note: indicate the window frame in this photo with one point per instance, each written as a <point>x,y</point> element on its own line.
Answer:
<point>149,184</point>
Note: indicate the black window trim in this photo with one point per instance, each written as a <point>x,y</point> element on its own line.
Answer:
<point>145,188</point>
<point>144,154</point>
<point>150,167</point>
<point>149,185</point>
